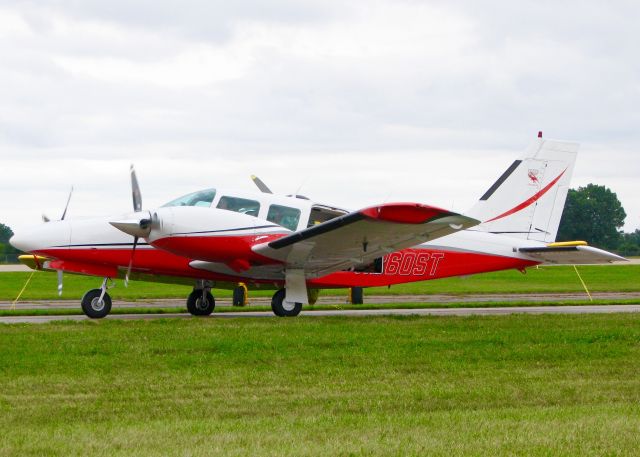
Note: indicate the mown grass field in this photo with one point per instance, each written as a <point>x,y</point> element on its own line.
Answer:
<point>505,385</point>
<point>622,278</point>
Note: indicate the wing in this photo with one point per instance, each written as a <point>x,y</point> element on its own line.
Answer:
<point>571,253</point>
<point>358,238</point>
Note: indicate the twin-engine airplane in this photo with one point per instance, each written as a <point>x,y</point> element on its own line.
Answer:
<point>219,238</point>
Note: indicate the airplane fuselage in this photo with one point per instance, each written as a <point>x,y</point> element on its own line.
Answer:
<point>218,238</point>
<point>94,247</point>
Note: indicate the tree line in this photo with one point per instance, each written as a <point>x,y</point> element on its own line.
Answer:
<point>592,213</point>
<point>8,254</point>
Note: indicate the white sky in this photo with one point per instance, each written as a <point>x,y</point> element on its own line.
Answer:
<point>352,102</point>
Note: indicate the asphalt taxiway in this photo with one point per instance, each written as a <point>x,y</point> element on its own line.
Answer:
<point>585,309</point>
<point>223,302</point>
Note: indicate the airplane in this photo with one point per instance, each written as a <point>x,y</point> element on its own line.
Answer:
<point>219,238</point>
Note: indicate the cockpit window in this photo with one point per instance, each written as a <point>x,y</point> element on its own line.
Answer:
<point>239,205</point>
<point>284,216</point>
<point>200,198</point>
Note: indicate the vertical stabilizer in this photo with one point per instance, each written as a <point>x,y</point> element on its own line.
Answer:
<point>528,198</point>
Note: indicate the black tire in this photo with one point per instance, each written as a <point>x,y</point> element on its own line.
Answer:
<point>197,307</point>
<point>239,296</point>
<point>284,309</point>
<point>357,296</point>
<point>92,307</point>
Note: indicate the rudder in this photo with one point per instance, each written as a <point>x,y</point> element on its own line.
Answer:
<point>528,199</point>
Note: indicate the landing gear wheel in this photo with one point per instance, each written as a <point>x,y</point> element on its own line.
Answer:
<point>357,296</point>
<point>239,296</point>
<point>283,308</point>
<point>199,307</point>
<point>93,307</point>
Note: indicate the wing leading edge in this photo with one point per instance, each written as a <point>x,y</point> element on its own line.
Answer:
<point>359,237</point>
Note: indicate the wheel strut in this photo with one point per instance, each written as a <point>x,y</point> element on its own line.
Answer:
<point>103,288</point>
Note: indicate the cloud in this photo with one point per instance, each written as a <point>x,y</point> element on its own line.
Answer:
<point>422,100</point>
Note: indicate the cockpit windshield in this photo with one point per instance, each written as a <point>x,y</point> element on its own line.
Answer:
<point>200,198</point>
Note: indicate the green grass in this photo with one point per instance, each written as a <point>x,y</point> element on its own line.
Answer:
<point>507,385</point>
<point>623,278</point>
<point>43,286</point>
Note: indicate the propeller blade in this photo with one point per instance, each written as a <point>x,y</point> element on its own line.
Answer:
<point>133,251</point>
<point>135,191</point>
<point>59,283</point>
<point>67,205</point>
<point>262,186</point>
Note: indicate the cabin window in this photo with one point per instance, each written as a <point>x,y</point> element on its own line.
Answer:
<point>320,214</point>
<point>284,216</point>
<point>200,198</point>
<point>239,205</point>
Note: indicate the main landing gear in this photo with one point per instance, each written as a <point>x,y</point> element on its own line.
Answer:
<point>282,307</point>
<point>200,302</point>
<point>96,303</point>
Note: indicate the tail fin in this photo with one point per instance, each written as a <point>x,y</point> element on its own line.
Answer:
<point>528,199</point>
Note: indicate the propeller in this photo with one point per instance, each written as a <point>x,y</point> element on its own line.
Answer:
<point>138,225</point>
<point>264,189</point>
<point>66,207</point>
<point>46,218</point>
<point>262,186</point>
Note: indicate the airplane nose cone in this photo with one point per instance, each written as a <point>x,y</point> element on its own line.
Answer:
<point>21,243</point>
<point>52,234</point>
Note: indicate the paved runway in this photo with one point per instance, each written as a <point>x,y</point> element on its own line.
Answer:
<point>341,299</point>
<point>595,309</point>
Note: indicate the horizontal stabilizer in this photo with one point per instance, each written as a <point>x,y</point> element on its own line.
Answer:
<point>571,255</point>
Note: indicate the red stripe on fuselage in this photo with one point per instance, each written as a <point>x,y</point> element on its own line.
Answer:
<point>409,265</point>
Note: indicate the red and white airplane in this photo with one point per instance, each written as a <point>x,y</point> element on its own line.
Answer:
<point>216,238</point>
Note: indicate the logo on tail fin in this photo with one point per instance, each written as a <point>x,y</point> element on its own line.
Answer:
<point>530,200</point>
